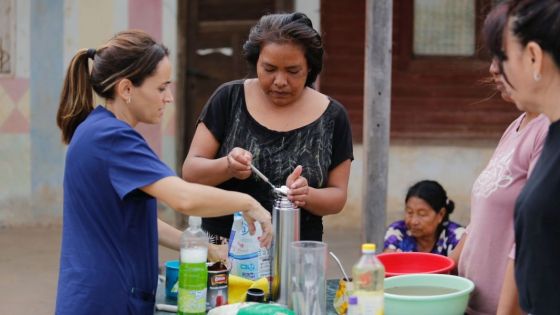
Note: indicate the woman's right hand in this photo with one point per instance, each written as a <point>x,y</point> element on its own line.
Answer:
<point>256,213</point>
<point>239,163</point>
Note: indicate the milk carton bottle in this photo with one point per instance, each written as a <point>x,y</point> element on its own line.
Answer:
<point>248,259</point>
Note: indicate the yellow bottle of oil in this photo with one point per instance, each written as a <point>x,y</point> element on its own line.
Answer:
<point>368,277</point>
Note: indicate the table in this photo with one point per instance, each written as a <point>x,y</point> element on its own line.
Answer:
<point>332,286</point>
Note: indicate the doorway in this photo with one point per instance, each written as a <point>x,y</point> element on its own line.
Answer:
<point>210,38</point>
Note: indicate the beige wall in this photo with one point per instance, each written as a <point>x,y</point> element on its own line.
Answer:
<point>454,166</point>
<point>86,25</point>
<point>22,152</point>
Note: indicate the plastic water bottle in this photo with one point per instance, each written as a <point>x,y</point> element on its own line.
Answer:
<point>193,272</point>
<point>248,259</point>
<point>368,276</point>
<point>353,306</point>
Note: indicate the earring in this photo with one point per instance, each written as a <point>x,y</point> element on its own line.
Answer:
<point>536,77</point>
<point>128,100</point>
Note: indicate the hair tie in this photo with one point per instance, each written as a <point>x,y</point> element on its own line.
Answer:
<point>91,53</point>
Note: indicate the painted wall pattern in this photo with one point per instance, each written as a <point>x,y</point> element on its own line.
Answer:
<point>30,176</point>
<point>30,194</point>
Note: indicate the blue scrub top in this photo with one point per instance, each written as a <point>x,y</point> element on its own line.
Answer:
<point>109,254</point>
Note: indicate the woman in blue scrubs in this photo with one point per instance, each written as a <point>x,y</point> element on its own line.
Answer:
<point>112,178</point>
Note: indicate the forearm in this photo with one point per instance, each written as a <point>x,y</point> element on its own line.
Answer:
<point>325,201</point>
<point>168,236</point>
<point>509,300</point>
<point>205,171</point>
<point>198,200</point>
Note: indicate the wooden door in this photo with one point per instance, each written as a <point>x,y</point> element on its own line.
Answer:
<point>210,38</point>
<point>211,34</point>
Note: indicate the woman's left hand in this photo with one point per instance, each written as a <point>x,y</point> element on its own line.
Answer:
<point>298,187</point>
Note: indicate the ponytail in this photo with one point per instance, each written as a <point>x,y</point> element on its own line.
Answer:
<point>76,98</point>
<point>132,54</point>
<point>449,207</point>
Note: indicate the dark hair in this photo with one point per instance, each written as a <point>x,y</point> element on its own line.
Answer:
<point>493,30</point>
<point>131,55</point>
<point>538,21</point>
<point>286,28</point>
<point>433,194</point>
<point>533,20</point>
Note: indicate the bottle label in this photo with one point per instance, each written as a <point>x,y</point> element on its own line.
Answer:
<point>264,262</point>
<point>370,302</point>
<point>192,288</point>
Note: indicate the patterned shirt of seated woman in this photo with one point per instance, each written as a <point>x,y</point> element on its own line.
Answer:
<point>426,226</point>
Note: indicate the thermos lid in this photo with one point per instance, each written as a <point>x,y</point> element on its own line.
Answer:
<point>283,203</point>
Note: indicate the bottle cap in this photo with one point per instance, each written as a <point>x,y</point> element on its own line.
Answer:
<point>194,221</point>
<point>353,300</point>
<point>254,295</point>
<point>368,248</point>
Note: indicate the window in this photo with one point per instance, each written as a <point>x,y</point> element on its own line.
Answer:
<point>444,27</point>
<point>7,34</point>
<point>439,63</point>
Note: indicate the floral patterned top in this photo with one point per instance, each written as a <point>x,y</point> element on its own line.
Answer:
<point>398,237</point>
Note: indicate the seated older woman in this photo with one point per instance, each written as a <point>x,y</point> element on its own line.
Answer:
<point>426,226</point>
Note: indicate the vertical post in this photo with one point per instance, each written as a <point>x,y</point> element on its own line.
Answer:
<point>45,81</point>
<point>377,105</point>
<point>187,29</point>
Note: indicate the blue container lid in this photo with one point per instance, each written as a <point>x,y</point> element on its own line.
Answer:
<point>353,300</point>
<point>172,264</point>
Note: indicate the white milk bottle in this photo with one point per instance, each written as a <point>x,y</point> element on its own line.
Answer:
<point>248,259</point>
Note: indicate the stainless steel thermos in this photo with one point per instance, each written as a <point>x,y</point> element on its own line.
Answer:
<point>286,223</point>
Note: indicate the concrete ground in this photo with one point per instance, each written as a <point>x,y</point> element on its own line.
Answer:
<point>29,265</point>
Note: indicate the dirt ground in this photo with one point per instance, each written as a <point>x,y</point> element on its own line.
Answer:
<point>29,265</point>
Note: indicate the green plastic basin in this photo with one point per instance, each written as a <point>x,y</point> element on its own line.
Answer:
<point>445,304</point>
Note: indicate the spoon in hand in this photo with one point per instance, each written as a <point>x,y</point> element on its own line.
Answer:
<point>265,179</point>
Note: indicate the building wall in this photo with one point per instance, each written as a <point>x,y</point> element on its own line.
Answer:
<point>47,34</point>
<point>455,166</point>
<point>32,157</point>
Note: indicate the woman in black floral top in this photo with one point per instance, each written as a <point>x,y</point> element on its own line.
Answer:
<point>426,227</point>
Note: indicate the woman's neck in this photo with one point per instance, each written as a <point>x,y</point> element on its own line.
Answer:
<point>425,244</point>
<point>529,116</point>
<point>120,111</point>
<point>551,97</point>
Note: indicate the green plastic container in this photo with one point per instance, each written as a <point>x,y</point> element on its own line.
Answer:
<point>265,309</point>
<point>444,304</point>
<point>251,308</point>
